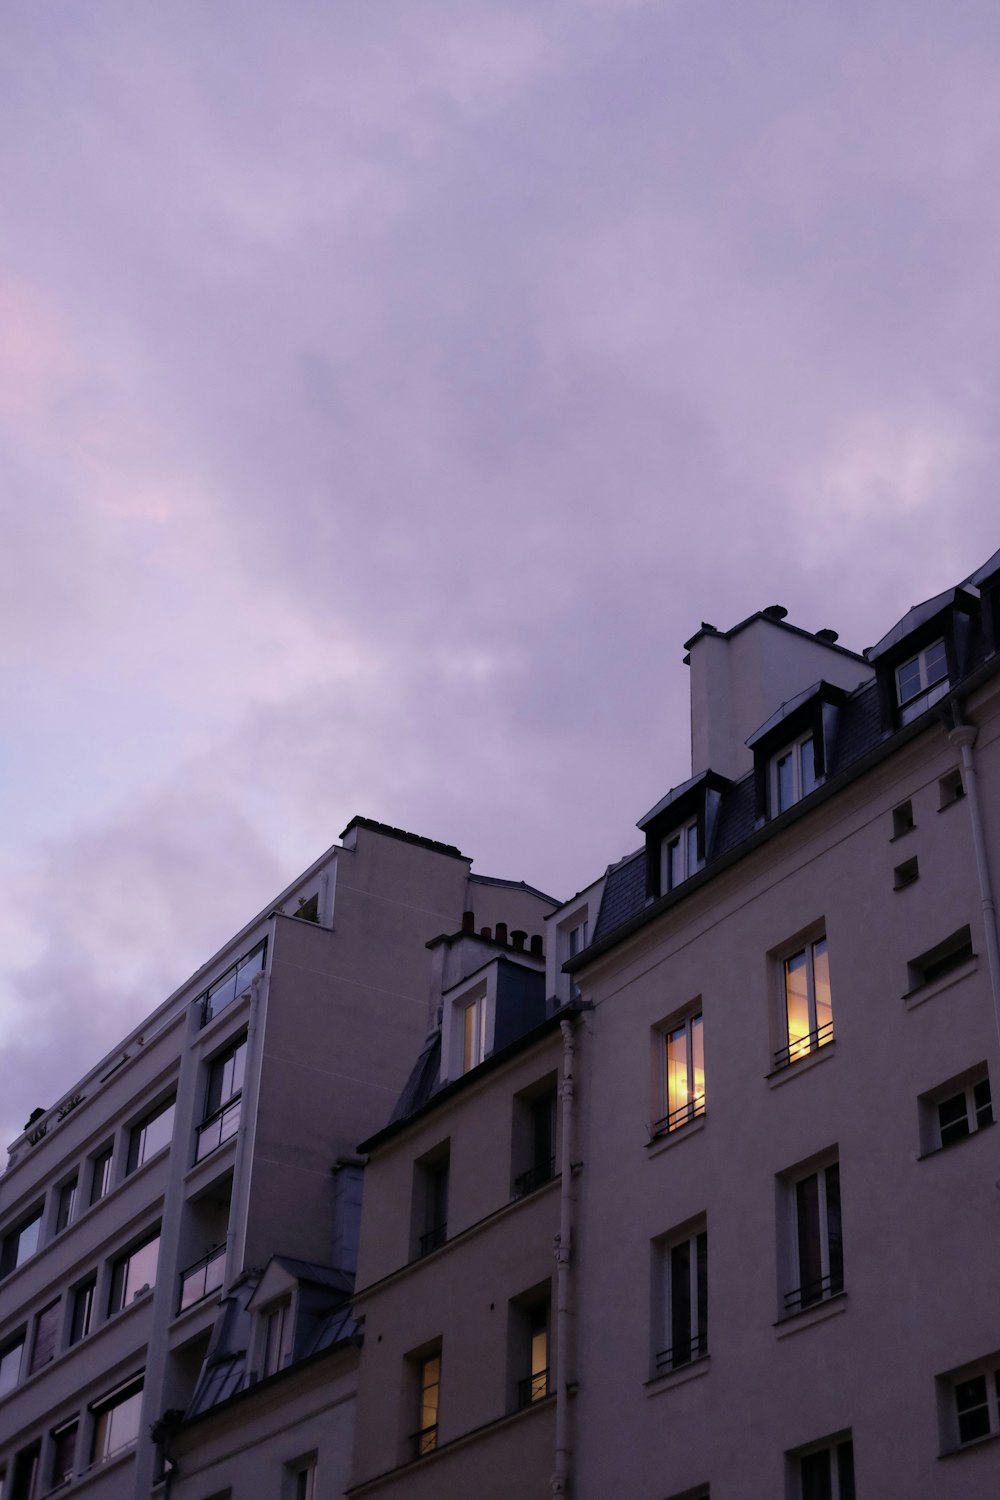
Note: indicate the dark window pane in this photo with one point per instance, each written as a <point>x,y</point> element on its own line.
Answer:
<point>810,1250</point>
<point>953,1119</point>
<point>43,1350</point>
<point>982,1102</point>
<point>835,1239</point>
<point>680,1303</point>
<point>816,1479</point>
<point>973,1410</point>
<point>845,1470</point>
<point>83,1311</point>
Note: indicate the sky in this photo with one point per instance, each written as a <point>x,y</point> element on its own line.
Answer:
<point>387,391</point>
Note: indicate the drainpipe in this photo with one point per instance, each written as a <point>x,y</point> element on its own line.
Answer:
<point>964,737</point>
<point>565,1385</point>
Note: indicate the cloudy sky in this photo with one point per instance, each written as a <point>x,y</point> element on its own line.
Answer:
<point>388,389</point>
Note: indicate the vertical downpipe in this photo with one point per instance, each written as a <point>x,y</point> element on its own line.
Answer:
<point>563,1252</point>
<point>964,736</point>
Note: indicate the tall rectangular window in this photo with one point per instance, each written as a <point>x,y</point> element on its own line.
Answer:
<point>134,1273</point>
<point>425,1439</point>
<point>473,1033</point>
<point>62,1454</point>
<point>21,1242</point>
<point>817,1238</point>
<point>223,1099</point>
<point>793,773</point>
<point>808,1007</point>
<point>100,1173</point>
<point>430,1201</point>
<point>921,681</point>
<point>535,1141</point>
<point>82,1318</point>
<point>277,1322</point>
<point>11,1357</point>
<point>679,857</point>
<point>43,1347</point>
<point>682,1074</point>
<point>681,1334</point>
<point>150,1136</point>
<point>66,1206</point>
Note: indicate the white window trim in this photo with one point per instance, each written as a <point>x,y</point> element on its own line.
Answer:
<point>689,863</point>
<point>927,692</point>
<point>480,993</point>
<point>789,1051</point>
<point>675,1117</point>
<point>664,1301</point>
<point>987,1369</point>
<point>799,789</point>
<point>792,1301</point>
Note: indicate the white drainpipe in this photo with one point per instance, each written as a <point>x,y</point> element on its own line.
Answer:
<point>964,736</point>
<point>565,1384</point>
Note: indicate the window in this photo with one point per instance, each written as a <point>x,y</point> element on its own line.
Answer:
<point>43,1347</point>
<point>681,1065</point>
<point>971,1404</point>
<point>232,984</point>
<point>116,1421</point>
<point>302,1480</point>
<point>680,1299</point>
<point>222,1099</point>
<point>902,819</point>
<point>100,1174</point>
<point>11,1355</point>
<point>202,1278</point>
<point>573,940</point>
<point>425,1439</point>
<point>473,1033</point>
<point>679,856</point>
<point>150,1136</point>
<point>951,789</point>
<point>25,1478</point>
<point>21,1242</point>
<point>808,1011</point>
<point>134,1273</point>
<point>534,1385</point>
<point>62,1453</point>
<point>535,1141</point>
<point>938,961</point>
<point>817,1260</point>
<point>905,874</point>
<point>826,1473</point>
<point>82,1319</point>
<point>277,1337</point>
<point>430,1201</point>
<point>955,1110</point>
<point>793,774</point>
<point>66,1205</point>
<point>921,681</point>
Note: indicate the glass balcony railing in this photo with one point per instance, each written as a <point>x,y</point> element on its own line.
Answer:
<point>218,1128</point>
<point>203,1278</point>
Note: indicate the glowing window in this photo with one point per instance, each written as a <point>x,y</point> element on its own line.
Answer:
<point>808,1009</point>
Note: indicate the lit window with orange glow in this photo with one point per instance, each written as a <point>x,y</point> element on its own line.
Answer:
<point>683,1075</point>
<point>473,1034</point>
<point>807,1003</point>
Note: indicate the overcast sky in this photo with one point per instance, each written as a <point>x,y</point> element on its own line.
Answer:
<point>388,389</point>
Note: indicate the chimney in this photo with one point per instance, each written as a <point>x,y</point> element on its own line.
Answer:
<point>536,944</point>
<point>468,922</point>
<point>518,938</point>
<point>500,933</point>
<point>487,933</point>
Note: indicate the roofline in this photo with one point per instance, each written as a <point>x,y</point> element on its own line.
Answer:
<point>762,614</point>
<point>465,1080</point>
<point>514,885</point>
<point>775,826</point>
<point>404,837</point>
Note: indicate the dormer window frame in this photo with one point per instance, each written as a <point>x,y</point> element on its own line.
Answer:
<point>929,690</point>
<point>951,625</point>
<point>469,1017</point>
<point>688,842</point>
<point>800,755</point>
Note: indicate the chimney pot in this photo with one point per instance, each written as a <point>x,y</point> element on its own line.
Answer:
<point>519,938</point>
<point>468,921</point>
<point>500,932</point>
<point>536,944</point>
<point>487,933</point>
<point>775,612</point>
<point>827,635</point>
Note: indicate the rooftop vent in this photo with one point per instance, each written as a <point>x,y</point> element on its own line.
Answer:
<point>774,612</point>
<point>827,635</point>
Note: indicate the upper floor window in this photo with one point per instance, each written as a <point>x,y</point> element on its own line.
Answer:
<point>534,1139</point>
<point>681,1067</point>
<point>816,1238</point>
<point>956,1110</point>
<point>222,1098</point>
<point>100,1173</point>
<point>276,1338</point>
<point>66,1205</point>
<point>531,1336</point>
<point>43,1347</point>
<point>150,1136</point>
<point>473,1032</point>
<point>971,1408</point>
<point>922,680</point>
<point>11,1355</point>
<point>116,1421</point>
<point>430,1201</point>
<point>21,1242</point>
<point>62,1453</point>
<point>807,1006</point>
<point>793,773</point>
<point>425,1439</point>
<point>826,1473</point>
<point>679,856</point>
<point>82,1315</point>
<point>134,1273</point>
<point>681,1300</point>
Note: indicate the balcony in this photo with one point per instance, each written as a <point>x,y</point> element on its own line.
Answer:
<point>433,1239</point>
<point>218,1128</point>
<point>535,1177</point>
<point>532,1388</point>
<point>682,1115</point>
<point>202,1278</point>
<point>812,1292</point>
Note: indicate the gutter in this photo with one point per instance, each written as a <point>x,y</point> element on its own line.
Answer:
<point>565,1382</point>
<point>964,736</point>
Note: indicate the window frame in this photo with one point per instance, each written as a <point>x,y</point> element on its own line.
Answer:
<point>427,1370</point>
<point>60,1473</point>
<point>839,1481</point>
<point>83,1301</point>
<point>101,1167</point>
<point>803,783</point>
<point>42,1336</point>
<point>978,1111</point>
<point>824,1238</point>
<point>928,692</point>
<point>431,1192</point>
<point>686,838</point>
<point>142,1147</point>
<point>119,1288</point>
<point>680,1299</point>
<point>534,1137</point>
<point>801,1045</point>
<point>105,1406</point>
<point>678,1105</point>
<point>15,1344</point>
<point>15,1251</point>
<point>222,1112</point>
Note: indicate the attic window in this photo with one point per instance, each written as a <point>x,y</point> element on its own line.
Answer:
<point>679,856</point>
<point>793,774</point>
<point>921,680</point>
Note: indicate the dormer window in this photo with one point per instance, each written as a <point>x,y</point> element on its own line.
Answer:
<point>922,680</point>
<point>793,773</point>
<point>473,1032</point>
<point>679,856</point>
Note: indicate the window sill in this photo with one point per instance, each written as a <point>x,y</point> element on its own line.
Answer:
<point>797,1321</point>
<point>983,1442</point>
<point>801,1064</point>
<point>923,992</point>
<point>949,1146</point>
<point>693,1370</point>
<point>674,1137</point>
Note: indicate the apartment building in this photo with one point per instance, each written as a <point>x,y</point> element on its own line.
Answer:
<point>714,1215</point>
<point>178,1232</point>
